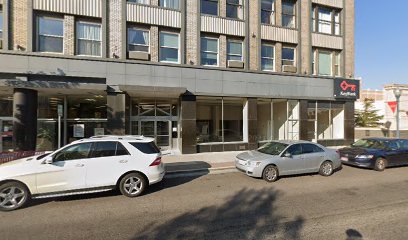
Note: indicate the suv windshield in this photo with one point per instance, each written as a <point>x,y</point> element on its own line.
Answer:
<point>273,148</point>
<point>369,143</point>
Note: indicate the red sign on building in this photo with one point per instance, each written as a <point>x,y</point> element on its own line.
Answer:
<point>392,105</point>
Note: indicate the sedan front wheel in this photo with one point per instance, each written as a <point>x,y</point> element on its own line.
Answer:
<point>270,173</point>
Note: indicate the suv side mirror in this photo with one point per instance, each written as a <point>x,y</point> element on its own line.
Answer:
<point>288,155</point>
<point>47,160</point>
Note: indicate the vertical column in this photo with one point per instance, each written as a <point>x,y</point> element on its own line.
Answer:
<point>305,37</point>
<point>222,8</point>
<point>18,24</point>
<point>278,12</point>
<point>25,103</point>
<point>30,25</point>
<point>188,123</point>
<point>223,51</point>
<point>303,120</point>
<point>118,113</point>
<point>69,35</point>
<point>154,43</point>
<point>252,104</point>
<point>104,28</point>
<point>278,56</point>
<point>192,32</point>
<point>5,39</point>
<point>348,31</point>
<point>117,18</point>
<point>254,35</point>
<point>349,122</point>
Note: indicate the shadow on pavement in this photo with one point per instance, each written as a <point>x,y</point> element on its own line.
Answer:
<point>249,214</point>
<point>186,166</point>
<point>353,234</point>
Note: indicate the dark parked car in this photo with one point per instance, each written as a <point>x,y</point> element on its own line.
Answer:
<point>376,153</point>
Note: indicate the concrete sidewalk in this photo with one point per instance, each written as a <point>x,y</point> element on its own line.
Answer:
<point>200,162</point>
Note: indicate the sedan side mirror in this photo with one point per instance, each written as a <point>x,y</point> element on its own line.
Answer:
<point>288,155</point>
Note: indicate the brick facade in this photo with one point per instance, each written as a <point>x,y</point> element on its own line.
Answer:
<point>115,28</point>
<point>69,35</point>
<point>19,24</point>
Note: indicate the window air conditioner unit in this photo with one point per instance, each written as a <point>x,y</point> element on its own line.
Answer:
<point>139,55</point>
<point>235,64</point>
<point>289,69</point>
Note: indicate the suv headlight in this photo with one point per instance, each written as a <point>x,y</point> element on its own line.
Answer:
<point>365,156</point>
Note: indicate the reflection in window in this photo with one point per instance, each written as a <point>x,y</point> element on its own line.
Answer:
<point>169,47</point>
<point>89,39</point>
<point>235,9</point>
<point>138,40</point>
<point>6,106</point>
<point>326,120</point>
<point>93,106</point>
<point>288,56</point>
<point>74,152</point>
<point>50,35</point>
<point>289,14</point>
<point>209,51</point>
<point>209,7</point>
<point>268,11</point>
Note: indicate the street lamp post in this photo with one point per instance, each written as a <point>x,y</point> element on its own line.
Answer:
<point>397,93</point>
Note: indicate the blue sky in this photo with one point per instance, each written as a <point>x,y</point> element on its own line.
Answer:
<point>381,41</point>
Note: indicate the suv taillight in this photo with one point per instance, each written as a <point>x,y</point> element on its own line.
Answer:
<point>156,162</point>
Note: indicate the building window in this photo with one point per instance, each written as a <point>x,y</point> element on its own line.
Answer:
<point>50,35</point>
<point>289,14</point>
<point>169,47</point>
<point>328,62</point>
<point>209,51</point>
<point>209,7</point>
<point>219,119</point>
<point>234,50</point>
<point>89,39</point>
<point>268,57</point>
<point>326,20</point>
<point>325,63</point>
<point>288,56</point>
<point>268,11</point>
<point>326,120</point>
<point>138,40</point>
<point>235,9</point>
<point>173,4</point>
<point>147,2</point>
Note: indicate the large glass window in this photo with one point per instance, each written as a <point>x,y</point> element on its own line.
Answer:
<point>209,51</point>
<point>268,11</point>
<point>89,39</point>
<point>6,105</point>
<point>209,7</point>
<point>326,120</point>
<point>288,56</point>
<point>293,120</point>
<point>219,119</point>
<point>268,57</point>
<point>326,20</point>
<point>234,50</point>
<point>337,24</point>
<point>93,106</point>
<point>325,63</point>
<point>235,9</point>
<point>50,35</point>
<point>174,4</point>
<point>328,62</point>
<point>138,40</point>
<point>289,13</point>
<point>169,47</point>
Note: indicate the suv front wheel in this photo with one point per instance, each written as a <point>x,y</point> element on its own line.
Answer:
<point>13,195</point>
<point>132,184</point>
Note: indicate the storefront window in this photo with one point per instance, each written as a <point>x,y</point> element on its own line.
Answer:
<point>48,106</point>
<point>232,121</point>
<point>93,106</point>
<point>264,124</point>
<point>326,120</point>
<point>323,120</point>
<point>209,119</point>
<point>293,120</point>
<point>6,123</point>
<point>6,106</point>
<point>311,124</point>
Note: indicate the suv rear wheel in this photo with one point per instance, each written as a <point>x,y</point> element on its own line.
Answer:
<point>132,184</point>
<point>13,195</point>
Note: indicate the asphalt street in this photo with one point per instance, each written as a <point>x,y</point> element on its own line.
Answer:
<point>352,204</point>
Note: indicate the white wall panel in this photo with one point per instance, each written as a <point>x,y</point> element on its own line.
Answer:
<point>92,8</point>
<point>153,15</point>
<point>222,25</point>
<point>279,34</point>
<point>327,41</point>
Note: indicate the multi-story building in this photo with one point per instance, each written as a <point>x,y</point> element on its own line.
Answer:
<point>199,76</point>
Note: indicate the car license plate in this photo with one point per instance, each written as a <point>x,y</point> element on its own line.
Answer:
<point>344,158</point>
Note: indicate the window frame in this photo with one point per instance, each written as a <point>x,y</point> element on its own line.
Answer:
<point>294,15</point>
<point>138,29</point>
<point>242,49</point>
<point>134,2</point>
<point>269,58</point>
<point>330,53</point>
<point>271,12</point>
<point>333,23</point>
<point>237,6</point>
<point>159,3</point>
<point>294,56</point>
<point>218,7</point>
<point>37,34</point>
<point>178,47</point>
<point>218,51</point>
<point>336,62</point>
<point>77,39</point>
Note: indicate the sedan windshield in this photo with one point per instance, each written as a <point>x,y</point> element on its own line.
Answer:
<point>273,148</point>
<point>369,143</point>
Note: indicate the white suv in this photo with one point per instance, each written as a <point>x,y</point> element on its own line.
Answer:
<point>101,163</point>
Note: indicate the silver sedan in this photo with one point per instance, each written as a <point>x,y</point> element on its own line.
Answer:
<point>279,158</point>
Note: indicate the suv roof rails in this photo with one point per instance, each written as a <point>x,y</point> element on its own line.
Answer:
<point>139,137</point>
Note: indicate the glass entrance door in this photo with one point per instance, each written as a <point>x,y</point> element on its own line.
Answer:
<point>157,129</point>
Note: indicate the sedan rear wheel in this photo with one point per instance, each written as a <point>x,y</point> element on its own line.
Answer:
<point>13,195</point>
<point>270,173</point>
<point>326,169</point>
<point>380,164</point>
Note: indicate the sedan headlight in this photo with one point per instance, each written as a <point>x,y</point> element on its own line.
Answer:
<point>365,156</point>
<point>256,164</point>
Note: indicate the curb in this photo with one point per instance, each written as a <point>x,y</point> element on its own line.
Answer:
<point>199,172</point>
